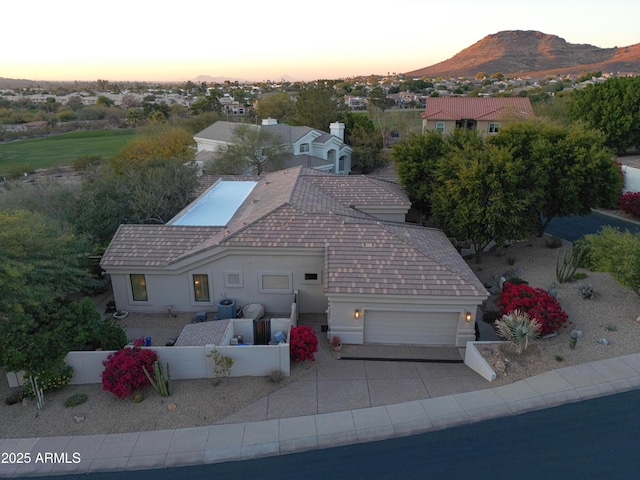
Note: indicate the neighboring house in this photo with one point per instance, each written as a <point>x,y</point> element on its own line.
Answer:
<point>310,147</point>
<point>444,114</point>
<point>339,242</point>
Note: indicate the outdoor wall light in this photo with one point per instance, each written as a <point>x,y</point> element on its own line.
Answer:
<point>357,313</point>
<point>467,316</point>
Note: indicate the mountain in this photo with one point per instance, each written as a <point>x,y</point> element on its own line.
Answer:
<point>530,52</point>
<point>210,79</point>
<point>220,79</point>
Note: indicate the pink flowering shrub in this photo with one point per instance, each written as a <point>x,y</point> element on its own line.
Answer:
<point>123,372</point>
<point>303,344</point>
<point>536,302</point>
<point>630,203</point>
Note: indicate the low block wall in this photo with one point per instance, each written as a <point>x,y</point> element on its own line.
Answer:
<point>476,362</point>
<point>189,363</point>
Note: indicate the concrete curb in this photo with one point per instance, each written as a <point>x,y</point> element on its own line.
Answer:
<point>241,441</point>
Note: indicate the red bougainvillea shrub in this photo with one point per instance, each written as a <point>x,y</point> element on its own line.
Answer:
<point>630,203</point>
<point>123,373</point>
<point>536,302</point>
<point>303,344</point>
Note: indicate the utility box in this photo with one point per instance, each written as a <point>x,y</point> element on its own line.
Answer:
<point>201,316</point>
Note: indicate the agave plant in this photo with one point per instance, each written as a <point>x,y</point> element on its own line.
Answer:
<point>517,327</point>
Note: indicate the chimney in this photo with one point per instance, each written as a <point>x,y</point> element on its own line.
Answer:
<point>337,129</point>
<point>269,121</point>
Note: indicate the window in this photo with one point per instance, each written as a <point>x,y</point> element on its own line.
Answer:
<point>494,127</point>
<point>233,279</point>
<point>139,287</point>
<point>274,282</point>
<point>304,147</point>
<point>341,164</point>
<point>440,127</point>
<point>201,288</point>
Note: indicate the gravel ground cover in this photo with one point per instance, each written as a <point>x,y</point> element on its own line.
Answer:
<point>611,314</point>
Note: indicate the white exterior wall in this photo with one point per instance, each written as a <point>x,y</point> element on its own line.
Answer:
<point>209,145</point>
<point>175,288</point>
<point>631,179</point>
<point>342,321</point>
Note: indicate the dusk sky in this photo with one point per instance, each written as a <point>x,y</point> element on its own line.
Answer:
<point>122,40</point>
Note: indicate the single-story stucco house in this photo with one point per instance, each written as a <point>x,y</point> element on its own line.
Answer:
<point>340,242</point>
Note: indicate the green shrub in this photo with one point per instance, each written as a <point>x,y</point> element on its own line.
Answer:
<point>86,161</point>
<point>275,376</point>
<point>553,242</point>
<point>94,286</point>
<point>616,252</point>
<point>221,365</point>
<point>517,281</point>
<point>52,377</point>
<point>579,276</point>
<point>75,400</point>
<point>17,171</point>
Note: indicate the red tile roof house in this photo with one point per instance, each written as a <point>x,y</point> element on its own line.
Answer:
<point>340,241</point>
<point>309,147</point>
<point>484,114</point>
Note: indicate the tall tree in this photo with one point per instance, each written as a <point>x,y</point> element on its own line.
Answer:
<point>378,97</point>
<point>157,142</point>
<point>253,150</point>
<point>209,103</point>
<point>360,133</point>
<point>147,192</point>
<point>569,166</point>
<point>415,160</point>
<point>276,105</point>
<point>611,107</point>
<point>316,107</point>
<point>481,195</point>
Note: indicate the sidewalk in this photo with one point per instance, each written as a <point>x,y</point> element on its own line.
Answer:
<point>250,439</point>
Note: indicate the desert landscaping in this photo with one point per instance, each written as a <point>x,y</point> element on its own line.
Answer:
<point>610,315</point>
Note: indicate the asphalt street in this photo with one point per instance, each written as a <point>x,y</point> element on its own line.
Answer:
<point>574,227</point>
<point>592,439</point>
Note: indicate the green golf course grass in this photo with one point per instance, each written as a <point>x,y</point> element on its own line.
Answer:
<point>62,149</point>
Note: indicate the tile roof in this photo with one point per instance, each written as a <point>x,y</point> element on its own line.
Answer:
<point>153,245</point>
<point>367,258</point>
<point>477,108</point>
<point>304,208</point>
<point>361,190</point>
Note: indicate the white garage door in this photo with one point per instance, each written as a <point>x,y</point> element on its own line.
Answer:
<point>417,328</point>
